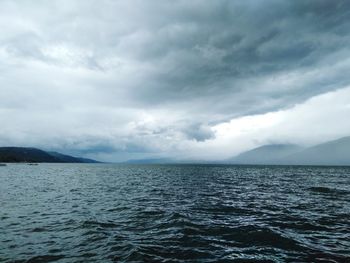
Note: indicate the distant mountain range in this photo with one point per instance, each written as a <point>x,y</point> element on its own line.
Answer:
<point>150,161</point>
<point>335,152</point>
<point>330,153</point>
<point>266,154</point>
<point>34,155</point>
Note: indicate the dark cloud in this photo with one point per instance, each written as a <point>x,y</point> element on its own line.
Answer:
<point>203,52</point>
<point>198,132</point>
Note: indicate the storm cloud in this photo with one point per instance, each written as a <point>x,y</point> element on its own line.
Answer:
<point>130,79</point>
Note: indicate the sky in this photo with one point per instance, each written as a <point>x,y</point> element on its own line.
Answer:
<point>186,80</point>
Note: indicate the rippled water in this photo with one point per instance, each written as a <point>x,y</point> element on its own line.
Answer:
<point>174,213</point>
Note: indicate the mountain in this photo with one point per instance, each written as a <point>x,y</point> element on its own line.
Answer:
<point>335,152</point>
<point>150,161</point>
<point>70,159</point>
<point>267,154</point>
<point>23,154</point>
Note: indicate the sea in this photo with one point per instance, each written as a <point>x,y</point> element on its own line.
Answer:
<point>174,213</point>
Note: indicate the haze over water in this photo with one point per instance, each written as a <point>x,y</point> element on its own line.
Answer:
<point>174,213</point>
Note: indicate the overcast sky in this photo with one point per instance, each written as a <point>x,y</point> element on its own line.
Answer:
<point>118,80</point>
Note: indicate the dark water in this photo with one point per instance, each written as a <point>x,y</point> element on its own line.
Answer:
<point>111,213</point>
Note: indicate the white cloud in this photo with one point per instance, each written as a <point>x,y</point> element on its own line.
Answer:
<point>319,119</point>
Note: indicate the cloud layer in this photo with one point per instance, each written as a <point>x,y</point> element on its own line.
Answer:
<point>128,79</point>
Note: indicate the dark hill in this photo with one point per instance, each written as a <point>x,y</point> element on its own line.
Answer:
<point>33,155</point>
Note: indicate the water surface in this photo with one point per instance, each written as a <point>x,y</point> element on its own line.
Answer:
<point>174,213</point>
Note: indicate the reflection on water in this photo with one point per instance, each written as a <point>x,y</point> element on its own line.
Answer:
<point>174,213</point>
